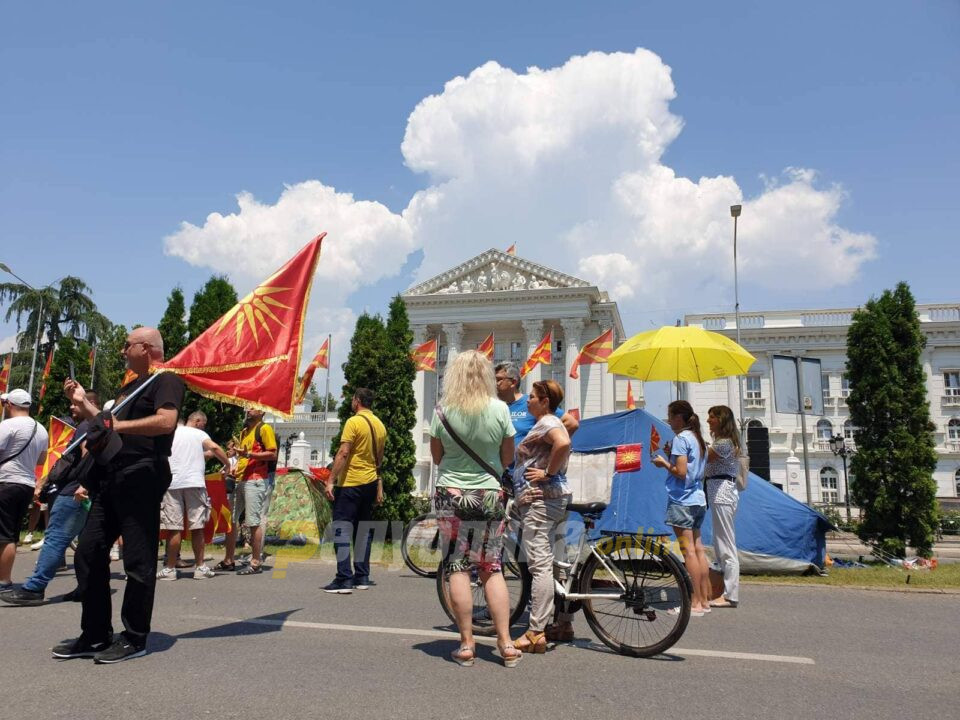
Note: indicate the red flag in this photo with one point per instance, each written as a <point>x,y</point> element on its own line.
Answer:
<point>220,517</point>
<point>425,356</point>
<point>92,357</point>
<point>654,440</point>
<point>251,356</point>
<point>320,360</point>
<point>628,458</point>
<point>595,351</point>
<point>574,413</point>
<point>512,250</point>
<point>128,377</point>
<point>631,403</point>
<point>60,436</point>
<point>43,380</point>
<point>486,347</point>
<point>540,354</point>
<point>5,373</point>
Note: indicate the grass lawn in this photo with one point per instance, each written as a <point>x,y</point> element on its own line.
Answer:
<point>945,577</point>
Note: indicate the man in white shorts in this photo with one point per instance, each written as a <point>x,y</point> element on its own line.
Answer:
<point>187,495</point>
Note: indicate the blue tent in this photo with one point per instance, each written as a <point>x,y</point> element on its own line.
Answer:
<point>775,533</point>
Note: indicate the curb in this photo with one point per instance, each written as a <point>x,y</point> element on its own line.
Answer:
<point>875,588</point>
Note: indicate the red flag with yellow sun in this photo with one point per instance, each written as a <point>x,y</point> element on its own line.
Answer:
<point>60,436</point>
<point>320,360</point>
<point>251,356</point>
<point>486,347</point>
<point>5,373</point>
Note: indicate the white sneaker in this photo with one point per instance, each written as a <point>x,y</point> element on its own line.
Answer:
<point>73,544</point>
<point>27,539</point>
<point>167,574</point>
<point>115,553</point>
<point>203,573</point>
<point>37,545</point>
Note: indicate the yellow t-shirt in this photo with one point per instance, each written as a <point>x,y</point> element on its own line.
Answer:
<point>248,469</point>
<point>362,465</point>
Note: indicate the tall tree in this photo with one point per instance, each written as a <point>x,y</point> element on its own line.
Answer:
<point>895,458</point>
<point>173,325</point>
<point>397,407</point>
<point>111,364</point>
<point>210,303</point>
<point>363,367</point>
<point>68,354</point>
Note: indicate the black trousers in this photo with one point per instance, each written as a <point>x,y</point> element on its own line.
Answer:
<point>127,504</point>
<point>352,515</point>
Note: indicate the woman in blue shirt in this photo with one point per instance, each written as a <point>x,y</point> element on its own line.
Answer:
<point>686,501</point>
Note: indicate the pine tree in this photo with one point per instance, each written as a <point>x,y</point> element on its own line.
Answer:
<point>173,325</point>
<point>55,403</point>
<point>363,367</point>
<point>397,407</point>
<point>111,364</point>
<point>210,303</point>
<point>895,458</point>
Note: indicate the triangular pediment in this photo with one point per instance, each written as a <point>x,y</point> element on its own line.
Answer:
<point>496,271</point>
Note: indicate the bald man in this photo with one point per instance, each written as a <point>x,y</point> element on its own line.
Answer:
<point>128,489</point>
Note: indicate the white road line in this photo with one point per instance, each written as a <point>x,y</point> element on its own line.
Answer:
<point>417,632</point>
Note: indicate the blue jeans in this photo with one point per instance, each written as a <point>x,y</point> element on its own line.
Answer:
<point>67,517</point>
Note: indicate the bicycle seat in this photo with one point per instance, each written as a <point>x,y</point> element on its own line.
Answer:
<point>592,508</point>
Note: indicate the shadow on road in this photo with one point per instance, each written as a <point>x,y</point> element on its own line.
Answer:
<point>259,625</point>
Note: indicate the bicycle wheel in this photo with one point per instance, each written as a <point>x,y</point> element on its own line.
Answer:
<point>644,603</point>
<point>420,545</point>
<point>518,591</point>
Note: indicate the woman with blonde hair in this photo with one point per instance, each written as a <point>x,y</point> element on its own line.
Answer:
<point>540,489</point>
<point>721,474</point>
<point>469,496</point>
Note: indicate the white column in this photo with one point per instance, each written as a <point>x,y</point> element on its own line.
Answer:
<point>454,335</point>
<point>608,397</point>
<point>422,469</point>
<point>572,327</point>
<point>419,381</point>
<point>533,333</point>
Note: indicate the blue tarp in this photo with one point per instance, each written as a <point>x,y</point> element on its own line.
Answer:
<point>769,522</point>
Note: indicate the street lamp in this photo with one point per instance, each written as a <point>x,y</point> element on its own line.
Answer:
<point>36,343</point>
<point>839,447</point>
<point>735,213</point>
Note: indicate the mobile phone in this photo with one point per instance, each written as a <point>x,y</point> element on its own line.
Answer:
<point>73,374</point>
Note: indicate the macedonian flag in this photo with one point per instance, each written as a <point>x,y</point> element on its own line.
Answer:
<point>629,458</point>
<point>486,347</point>
<point>631,403</point>
<point>595,351</point>
<point>425,356</point>
<point>60,436</point>
<point>44,377</point>
<point>540,354</point>
<point>320,360</point>
<point>251,356</point>
<point>5,373</point>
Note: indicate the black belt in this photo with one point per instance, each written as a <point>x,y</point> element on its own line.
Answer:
<point>721,477</point>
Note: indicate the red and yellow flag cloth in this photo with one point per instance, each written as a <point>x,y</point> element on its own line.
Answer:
<point>486,347</point>
<point>5,373</point>
<point>220,520</point>
<point>595,351</point>
<point>320,360</point>
<point>654,440</point>
<point>540,354</point>
<point>512,250</point>
<point>60,436</point>
<point>46,374</point>
<point>92,357</point>
<point>629,458</point>
<point>631,403</point>
<point>251,356</point>
<point>425,356</point>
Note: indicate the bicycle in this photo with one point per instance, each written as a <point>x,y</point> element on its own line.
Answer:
<point>634,593</point>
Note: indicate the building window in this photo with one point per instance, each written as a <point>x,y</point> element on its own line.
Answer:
<point>951,383</point>
<point>824,433</point>
<point>442,354</point>
<point>499,352</point>
<point>849,432</point>
<point>754,424</point>
<point>516,352</point>
<point>314,456</point>
<point>828,485</point>
<point>956,481</point>
<point>825,386</point>
<point>556,355</point>
<point>752,394</point>
<point>844,386</point>
<point>953,433</point>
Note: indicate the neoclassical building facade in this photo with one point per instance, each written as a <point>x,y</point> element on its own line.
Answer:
<point>822,334</point>
<point>519,302</point>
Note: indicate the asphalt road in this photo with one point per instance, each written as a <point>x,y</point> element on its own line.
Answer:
<point>276,647</point>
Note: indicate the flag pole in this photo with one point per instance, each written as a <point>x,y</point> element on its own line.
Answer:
<point>324,452</point>
<point>93,366</point>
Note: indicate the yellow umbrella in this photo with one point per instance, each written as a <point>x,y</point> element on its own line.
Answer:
<point>681,354</point>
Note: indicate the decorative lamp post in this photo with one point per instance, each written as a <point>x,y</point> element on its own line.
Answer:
<point>36,343</point>
<point>839,447</point>
<point>735,213</point>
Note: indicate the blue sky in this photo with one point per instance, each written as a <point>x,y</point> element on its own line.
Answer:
<point>122,122</point>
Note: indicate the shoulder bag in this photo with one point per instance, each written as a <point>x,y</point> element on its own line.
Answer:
<point>743,470</point>
<point>505,484</point>
<point>25,446</point>
<point>377,456</point>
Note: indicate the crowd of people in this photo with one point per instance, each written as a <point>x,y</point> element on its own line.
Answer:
<point>142,469</point>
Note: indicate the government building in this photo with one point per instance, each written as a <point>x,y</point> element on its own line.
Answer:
<point>822,334</point>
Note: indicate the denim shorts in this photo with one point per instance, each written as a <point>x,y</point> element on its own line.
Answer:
<point>685,516</point>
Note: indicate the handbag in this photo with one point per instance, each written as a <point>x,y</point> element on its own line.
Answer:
<point>743,471</point>
<point>505,484</point>
<point>378,456</point>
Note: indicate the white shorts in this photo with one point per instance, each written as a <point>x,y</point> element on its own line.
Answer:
<point>192,503</point>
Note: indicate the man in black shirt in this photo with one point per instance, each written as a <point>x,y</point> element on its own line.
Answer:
<point>128,488</point>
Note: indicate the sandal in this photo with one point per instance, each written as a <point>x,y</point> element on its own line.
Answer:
<point>531,642</point>
<point>509,660</point>
<point>250,569</point>
<point>463,656</point>
<point>225,566</point>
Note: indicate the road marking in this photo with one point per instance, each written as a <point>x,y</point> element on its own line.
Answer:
<point>417,632</point>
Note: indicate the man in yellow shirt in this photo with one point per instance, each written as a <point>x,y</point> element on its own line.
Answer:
<point>354,488</point>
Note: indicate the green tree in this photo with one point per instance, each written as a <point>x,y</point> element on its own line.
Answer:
<point>111,365</point>
<point>210,303</point>
<point>68,354</point>
<point>173,325</point>
<point>316,402</point>
<point>363,367</point>
<point>895,458</point>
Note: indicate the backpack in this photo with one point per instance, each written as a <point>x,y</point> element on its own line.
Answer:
<point>272,464</point>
